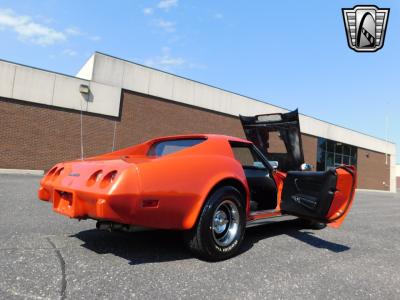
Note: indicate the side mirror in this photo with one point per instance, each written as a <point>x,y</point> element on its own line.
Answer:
<point>306,167</point>
<point>274,164</point>
<point>258,165</point>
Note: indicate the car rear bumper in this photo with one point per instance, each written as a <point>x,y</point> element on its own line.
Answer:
<point>82,205</point>
<point>78,191</point>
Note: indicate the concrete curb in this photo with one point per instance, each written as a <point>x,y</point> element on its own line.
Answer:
<point>22,172</point>
<point>374,191</point>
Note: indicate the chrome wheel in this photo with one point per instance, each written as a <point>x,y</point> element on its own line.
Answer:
<point>220,228</point>
<point>225,224</point>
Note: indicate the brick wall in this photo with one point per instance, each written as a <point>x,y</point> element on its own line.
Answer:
<point>144,118</point>
<point>373,172</point>
<point>310,149</point>
<point>36,137</point>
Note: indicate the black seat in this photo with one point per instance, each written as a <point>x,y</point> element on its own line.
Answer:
<point>263,191</point>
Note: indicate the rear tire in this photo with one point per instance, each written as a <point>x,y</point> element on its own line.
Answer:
<point>220,228</point>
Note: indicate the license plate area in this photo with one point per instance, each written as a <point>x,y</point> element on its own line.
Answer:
<point>64,202</point>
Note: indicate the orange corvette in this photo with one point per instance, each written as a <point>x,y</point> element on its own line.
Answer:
<point>211,186</point>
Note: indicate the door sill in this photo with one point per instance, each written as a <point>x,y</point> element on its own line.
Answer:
<point>256,213</point>
<point>262,214</point>
<point>269,220</point>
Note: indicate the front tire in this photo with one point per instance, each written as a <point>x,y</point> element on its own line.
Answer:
<point>220,228</point>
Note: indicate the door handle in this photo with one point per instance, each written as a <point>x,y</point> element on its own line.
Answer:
<point>296,185</point>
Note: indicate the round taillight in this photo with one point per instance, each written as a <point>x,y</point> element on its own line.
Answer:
<point>52,171</point>
<point>108,179</point>
<point>58,172</point>
<point>95,177</point>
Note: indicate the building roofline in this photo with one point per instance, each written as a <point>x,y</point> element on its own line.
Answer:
<point>195,81</point>
<point>241,95</point>
<point>189,79</point>
<point>40,69</point>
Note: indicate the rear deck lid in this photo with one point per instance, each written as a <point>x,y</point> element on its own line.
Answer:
<point>277,136</point>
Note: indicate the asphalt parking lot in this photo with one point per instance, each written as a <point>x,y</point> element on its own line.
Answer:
<point>47,256</point>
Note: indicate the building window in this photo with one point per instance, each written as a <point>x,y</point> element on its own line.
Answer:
<point>331,154</point>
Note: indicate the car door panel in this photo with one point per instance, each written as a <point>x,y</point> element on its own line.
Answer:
<point>344,196</point>
<point>321,196</point>
<point>308,193</point>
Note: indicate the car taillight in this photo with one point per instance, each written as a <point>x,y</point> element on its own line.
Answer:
<point>108,179</point>
<point>58,172</point>
<point>52,171</point>
<point>95,177</point>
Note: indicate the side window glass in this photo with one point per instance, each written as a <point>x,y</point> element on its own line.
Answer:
<point>246,156</point>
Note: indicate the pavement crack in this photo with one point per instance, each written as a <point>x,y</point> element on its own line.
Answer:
<point>62,265</point>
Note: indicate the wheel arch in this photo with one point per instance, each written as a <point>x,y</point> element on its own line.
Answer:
<point>226,181</point>
<point>230,181</point>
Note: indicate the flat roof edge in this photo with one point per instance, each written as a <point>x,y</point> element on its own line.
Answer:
<point>234,93</point>
<point>246,98</point>
<point>40,69</point>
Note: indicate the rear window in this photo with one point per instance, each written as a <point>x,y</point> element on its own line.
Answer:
<point>171,146</point>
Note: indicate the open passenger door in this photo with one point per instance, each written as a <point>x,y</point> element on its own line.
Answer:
<point>323,196</point>
<point>320,196</point>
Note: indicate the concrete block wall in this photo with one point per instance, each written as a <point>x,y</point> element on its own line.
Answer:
<point>43,87</point>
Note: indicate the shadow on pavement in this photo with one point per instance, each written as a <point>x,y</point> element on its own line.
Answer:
<point>162,246</point>
<point>294,229</point>
<point>137,247</point>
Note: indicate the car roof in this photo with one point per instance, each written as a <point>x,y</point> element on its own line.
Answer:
<point>201,135</point>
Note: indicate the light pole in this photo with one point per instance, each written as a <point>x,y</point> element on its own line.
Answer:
<point>387,131</point>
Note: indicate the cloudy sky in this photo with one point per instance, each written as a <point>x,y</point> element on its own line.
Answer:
<point>288,53</point>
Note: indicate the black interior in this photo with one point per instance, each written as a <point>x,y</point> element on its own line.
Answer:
<point>263,191</point>
<point>308,194</point>
<point>258,129</point>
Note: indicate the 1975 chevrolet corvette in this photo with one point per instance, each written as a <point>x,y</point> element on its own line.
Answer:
<point>210,186</point>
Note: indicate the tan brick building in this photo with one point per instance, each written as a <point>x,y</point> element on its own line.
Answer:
<point>126,103</point>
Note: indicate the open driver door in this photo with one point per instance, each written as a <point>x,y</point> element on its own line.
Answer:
<point>323,196</point>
